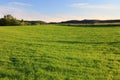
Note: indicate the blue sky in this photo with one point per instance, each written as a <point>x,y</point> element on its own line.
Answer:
<point>61,10</point>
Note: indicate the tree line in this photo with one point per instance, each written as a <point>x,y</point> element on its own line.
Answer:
<point>91,22</point>
<point>9,20</point>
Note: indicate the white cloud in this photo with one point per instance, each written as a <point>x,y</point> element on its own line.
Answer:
<point>20,4</point>
<point>8,10</point>
<point>100,6</point>
<point>21,13</point>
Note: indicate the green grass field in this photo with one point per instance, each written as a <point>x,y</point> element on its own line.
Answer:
<point>49,52</point>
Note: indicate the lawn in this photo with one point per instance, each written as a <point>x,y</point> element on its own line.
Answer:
<point>54,52</point>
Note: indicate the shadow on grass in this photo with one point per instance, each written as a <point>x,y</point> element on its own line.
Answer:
<point>77,42</point>
<point>93,26</point>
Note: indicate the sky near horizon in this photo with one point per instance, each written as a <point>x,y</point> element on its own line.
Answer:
<point>61,10</point>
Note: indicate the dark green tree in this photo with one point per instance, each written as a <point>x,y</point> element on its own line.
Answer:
<point>9,20</point>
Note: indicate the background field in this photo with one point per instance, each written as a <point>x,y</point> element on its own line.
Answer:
<point>49,52</point>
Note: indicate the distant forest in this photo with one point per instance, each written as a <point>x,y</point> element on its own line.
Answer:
<point>9,20</point>
<point>92,22</point>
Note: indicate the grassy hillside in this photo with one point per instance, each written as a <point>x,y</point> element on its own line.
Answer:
<point>50,52</point>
